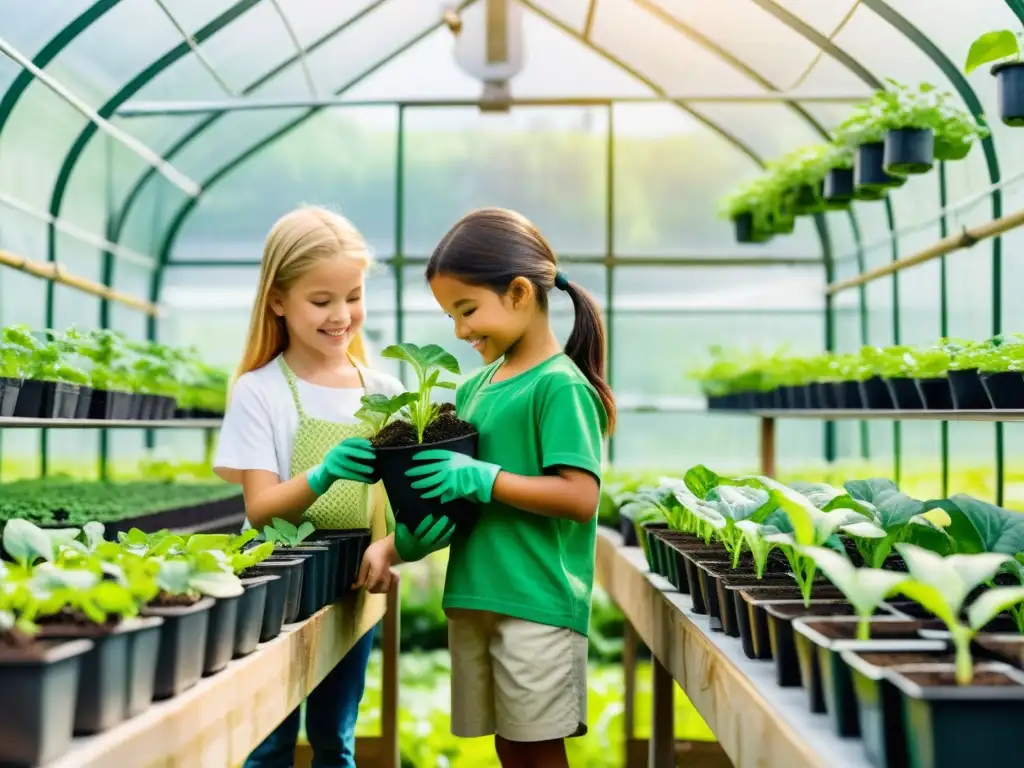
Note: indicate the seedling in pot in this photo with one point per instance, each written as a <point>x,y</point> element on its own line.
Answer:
<point>378,410</point>
<point>287,534</point>
<point>864,588</point>
<point>941,585</point>
<point>195,576</point>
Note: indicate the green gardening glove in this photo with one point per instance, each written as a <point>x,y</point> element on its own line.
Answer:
<point>453,476</point>
<point>429,536</point>
<point>345,461</point>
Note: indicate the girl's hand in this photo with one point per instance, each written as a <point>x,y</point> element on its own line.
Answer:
<point>430,536</point>
<point>351,459</point>
<point>375,574</point>
<point>452,476</point>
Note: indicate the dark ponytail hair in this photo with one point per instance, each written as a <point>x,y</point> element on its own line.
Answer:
<point>492,247</point>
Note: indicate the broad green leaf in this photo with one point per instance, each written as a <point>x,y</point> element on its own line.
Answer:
<point>218,584</point>
<point>990,47</point>
<point>953,577</point>
<point>173,576</point>
<point>93,532</point>
<point>865,588</point>
<point>863,530</point>
<point>700,508</point>
<point>991,603</point>
<point>929,598</point>
<point>304,530</point>
<point>61,536</point>
<point>977,526</point>
<point>700,480</point>
<point>286,528</point>
<point>738,503</point>
<point>26,543</point>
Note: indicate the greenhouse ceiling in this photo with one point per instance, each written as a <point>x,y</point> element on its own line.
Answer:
<point>119,116</point>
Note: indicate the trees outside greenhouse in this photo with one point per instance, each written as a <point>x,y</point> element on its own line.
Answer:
<point>799,222</point>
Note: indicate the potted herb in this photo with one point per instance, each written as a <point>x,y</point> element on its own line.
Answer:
<point>864,131</point>
<point>1000,367</point>
<point>419,424</point>
<point>1002,48</point>
<point>753,208</point>
<point>839,189</point>
<point>964,378</point>
<point>319,561</point>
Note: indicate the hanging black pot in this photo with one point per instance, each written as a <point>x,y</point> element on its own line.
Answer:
<point>968,393</point>
<point>744,226</point>
<point>876,395</point>
<point>1005,389</point>
<point>1010,87</point>
<point>838,186</point>
<point>869,171</point>
<point>909,151</point>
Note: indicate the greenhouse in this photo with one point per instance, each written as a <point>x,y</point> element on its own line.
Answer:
<point>474,383</point>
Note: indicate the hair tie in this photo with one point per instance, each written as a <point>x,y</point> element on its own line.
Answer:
<point>561,281</point>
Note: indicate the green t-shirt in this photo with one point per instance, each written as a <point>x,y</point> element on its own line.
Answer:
<point>514,562</point>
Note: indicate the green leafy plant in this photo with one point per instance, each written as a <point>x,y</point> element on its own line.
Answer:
<point>377,410</point>
<point>287,534</point>
<point>428,362</point>
<point>996,45</point>
<point>941,586</point>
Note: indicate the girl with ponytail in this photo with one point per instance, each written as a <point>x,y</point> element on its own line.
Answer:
<point>518,587</point>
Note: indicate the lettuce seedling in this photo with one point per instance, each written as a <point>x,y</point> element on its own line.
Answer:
<point>940,585</point>
<point>199,574</point>
<point>378,410</point>
<point>427,362</point>
<point>756,538</point>
<point>26,543</point>
<point>865,588</point>
<point>280,531</point>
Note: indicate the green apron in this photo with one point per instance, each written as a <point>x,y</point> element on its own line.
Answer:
<point>346,504</point>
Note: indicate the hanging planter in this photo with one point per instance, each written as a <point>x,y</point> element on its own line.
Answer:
<point>909,151</point>
<point>869,172</point>
<point>838,187</point>
<point>1010,87</point>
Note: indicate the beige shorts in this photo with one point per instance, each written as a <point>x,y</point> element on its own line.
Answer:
<point>521,680</point>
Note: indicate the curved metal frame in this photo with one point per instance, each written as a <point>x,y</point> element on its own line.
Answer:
<point>116,222</point>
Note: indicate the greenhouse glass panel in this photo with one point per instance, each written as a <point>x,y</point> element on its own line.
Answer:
<point>548,163</point>
<point>30,29</point>
<point>348,157</point>
<point>824,17</point>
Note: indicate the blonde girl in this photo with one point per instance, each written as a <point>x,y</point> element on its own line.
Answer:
<point>291,439</point>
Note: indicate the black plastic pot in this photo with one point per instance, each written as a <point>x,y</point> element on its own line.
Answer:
<point>285,590</point>
<point>731,606</point>
<point>678,569</point>
<point>847,395</point>
<point>968,392</point>
<point>1010,87</point>
<point>693,579</point>
<point>314,578</point>
<point>826,395</point>
<point>909,151</point>
<point>813,396</point>
<point>875,394</point>
<point>839,186</point>
<point>935,393</point>
<point>1005,389</point>
<point>293,600</point>
<point>406,503</point>
<point>627,529</point>
<point>220,634</point>
<point>251,607</point>
<point>143,655</point>
<point>60,400</point>
<point>644,536</point>
<point>37,699</point>
<point>744,228</point>
<point>30,399</point>
<point>107,675</point>
<point>950,726</point>
<point>84,402</point>
<point>9,391</point>
<point>869,172</point>
<point>182,646</point>
<point>905,393</point>
<point>708,590</point>
<point>826,676</point>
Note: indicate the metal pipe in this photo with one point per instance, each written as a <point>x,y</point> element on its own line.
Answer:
<point>965,238</point>
<point>57,273</point>
<point>152,108</point>
<point>191,43</point>
<point>300,49</point>
<point>168,171</point>
<point>77,233</point>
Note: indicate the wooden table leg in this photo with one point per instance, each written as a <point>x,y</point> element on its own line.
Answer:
<point>768,446</point>
<point>629,645</point>
<point>663,739</point>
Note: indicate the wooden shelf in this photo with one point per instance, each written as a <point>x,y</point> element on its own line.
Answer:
<point>757,723</point>
<point>836,414</point>
<point>23,423</point>
<point>223,717</point>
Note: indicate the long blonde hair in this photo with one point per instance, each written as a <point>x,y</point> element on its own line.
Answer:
<point>296,242</point>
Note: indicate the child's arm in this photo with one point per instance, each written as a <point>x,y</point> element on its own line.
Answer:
<point>572,494</point>
<point>266,497</point>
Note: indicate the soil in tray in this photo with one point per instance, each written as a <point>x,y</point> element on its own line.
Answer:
<point>15,645</point>
<point>946,677</point>
<point>69,623</point>
<point>164,600</point>
<point>446,426</point>
<point>826,609</point>
<point>881,659</point>
<point>880,630</point>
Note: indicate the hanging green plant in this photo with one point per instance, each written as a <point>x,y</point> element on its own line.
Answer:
<point>1002,48</point>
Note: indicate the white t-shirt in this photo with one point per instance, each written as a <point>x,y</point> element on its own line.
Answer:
<point>259,425</point>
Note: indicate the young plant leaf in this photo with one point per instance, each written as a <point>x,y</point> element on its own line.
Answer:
<point>991,603</point>
<point>26,543</point>
<point>990,47</point>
